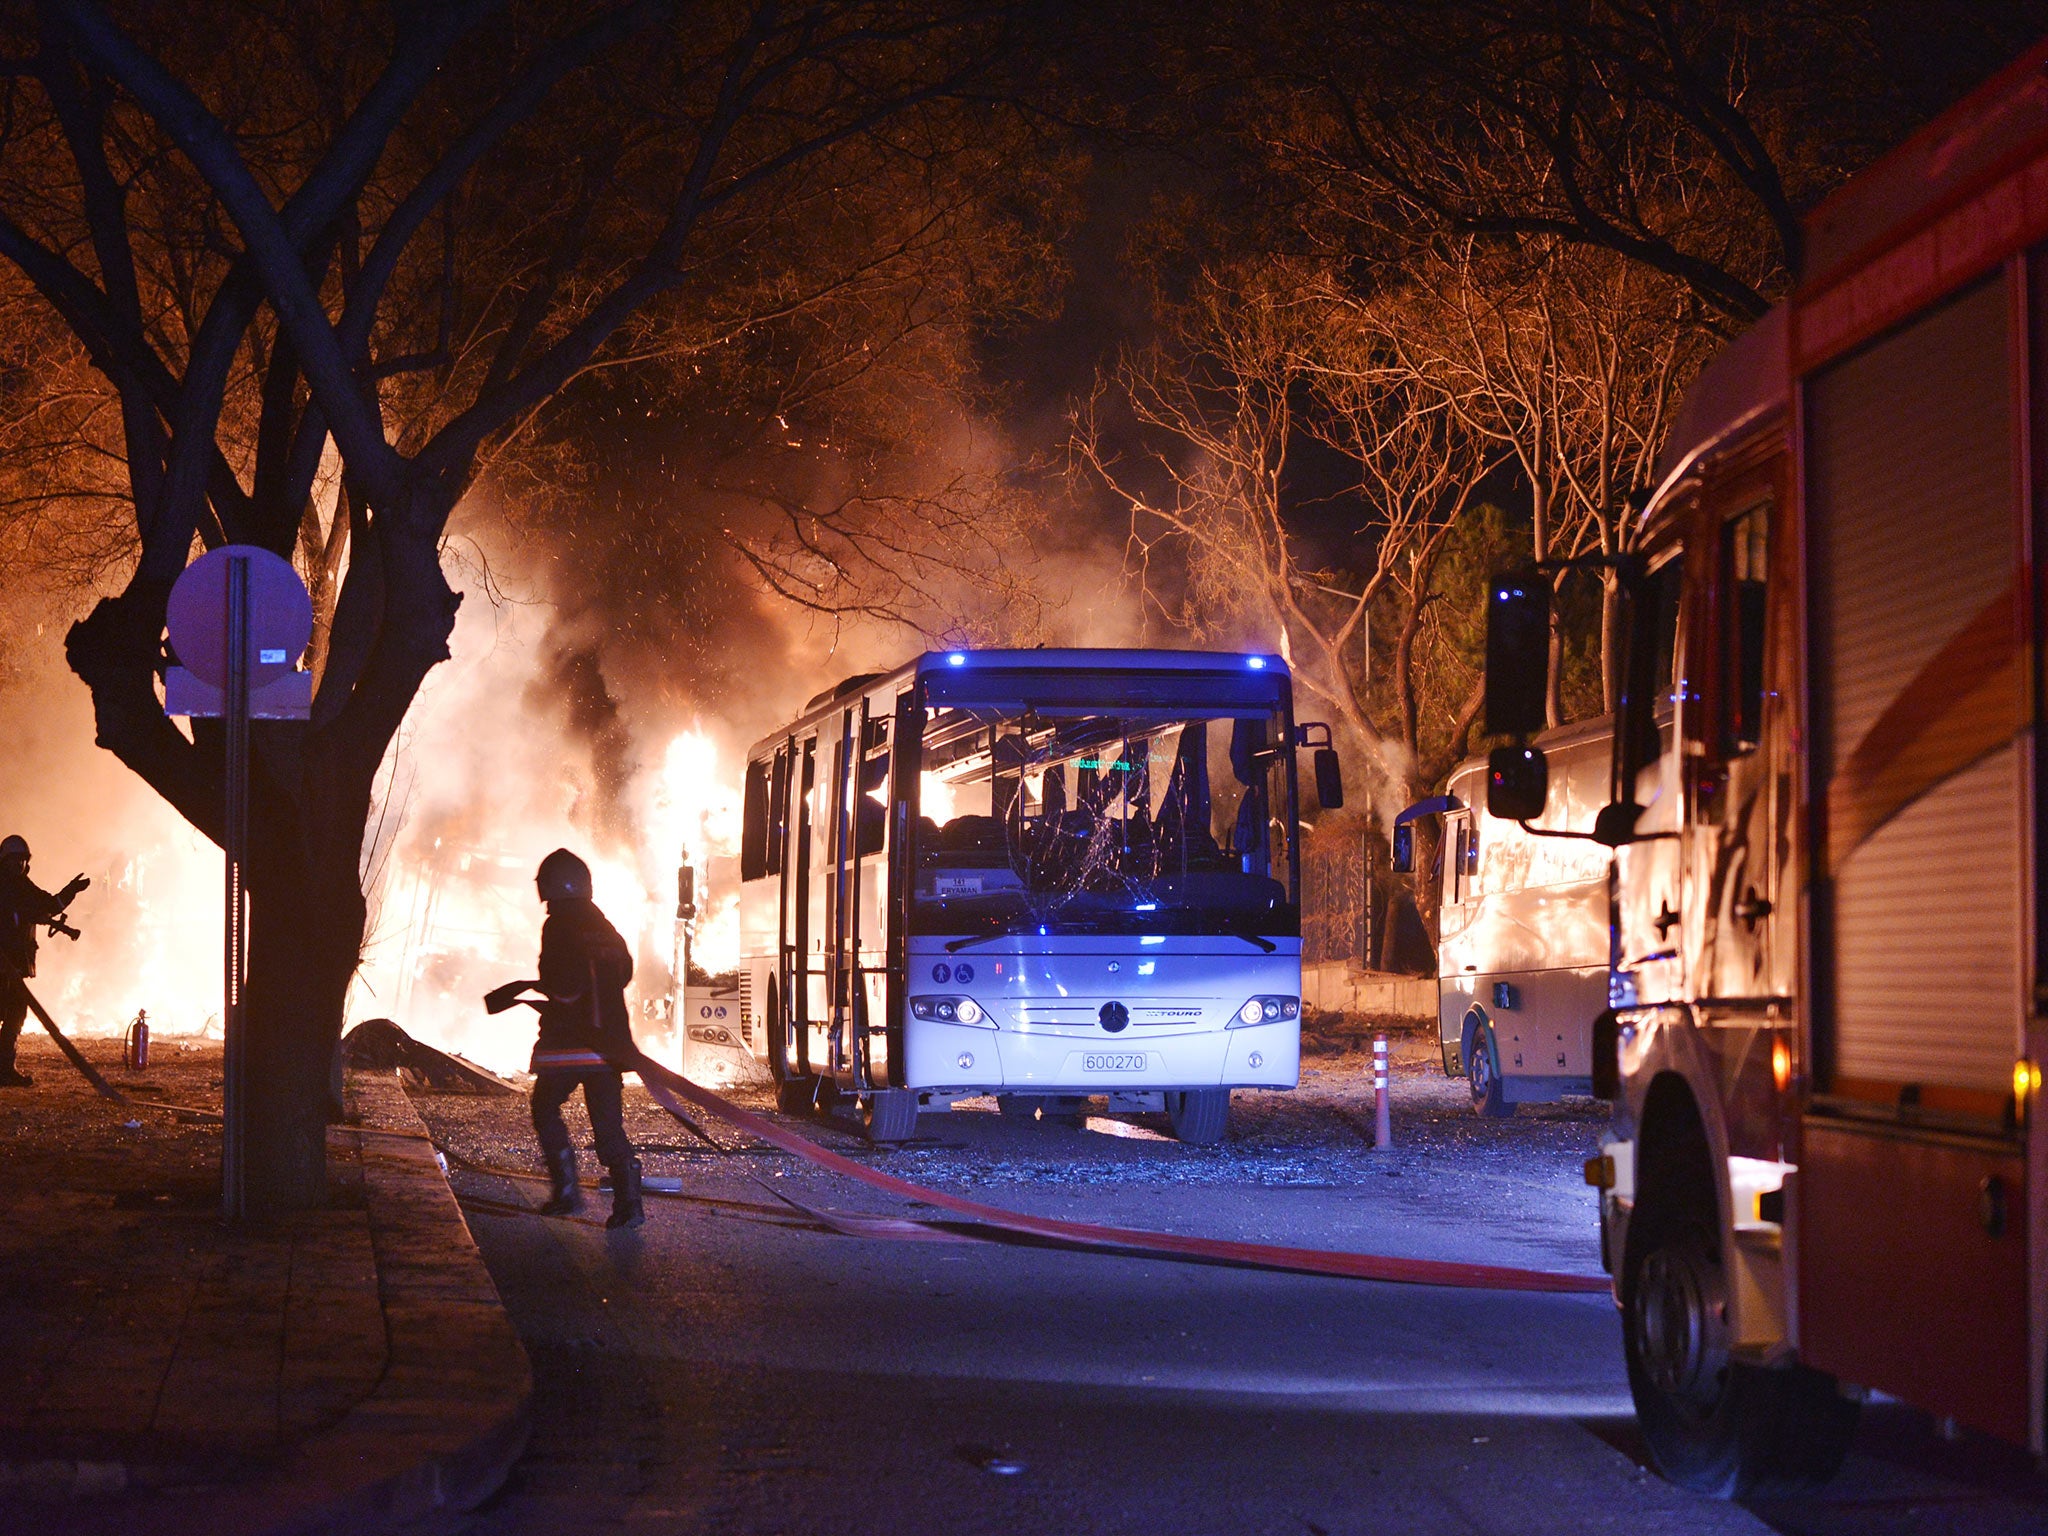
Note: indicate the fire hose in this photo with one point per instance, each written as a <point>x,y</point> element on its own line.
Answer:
<point>668,1087</point>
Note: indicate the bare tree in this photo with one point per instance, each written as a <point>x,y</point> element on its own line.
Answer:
<point>1219,545</point>
<point>1572,360</point>
<point>290,234</point>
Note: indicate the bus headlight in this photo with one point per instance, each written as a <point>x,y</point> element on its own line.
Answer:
<point>1267,1010</point>
<point>951,1010</point>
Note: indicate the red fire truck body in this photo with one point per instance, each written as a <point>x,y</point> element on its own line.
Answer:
<point>1831,971</point>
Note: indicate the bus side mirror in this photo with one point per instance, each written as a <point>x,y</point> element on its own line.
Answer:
<point>1517,783</point>
<point>1329,779</point>
<point>1517,652</point>
<point>1404,849</point>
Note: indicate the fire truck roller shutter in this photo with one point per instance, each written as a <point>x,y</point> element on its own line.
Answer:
<point>1918,697</point>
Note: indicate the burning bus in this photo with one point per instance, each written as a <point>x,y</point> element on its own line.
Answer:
<point>1825,1038</point>
<point>1044,875</point>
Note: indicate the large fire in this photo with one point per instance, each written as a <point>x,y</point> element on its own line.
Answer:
<point>474,795</point>
<point>456,918</point>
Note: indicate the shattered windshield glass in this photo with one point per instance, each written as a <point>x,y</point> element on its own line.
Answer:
<point>1073,822</point>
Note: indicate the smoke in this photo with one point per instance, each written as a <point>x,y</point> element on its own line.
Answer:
<point>573,683</point>
<point>151,918</point>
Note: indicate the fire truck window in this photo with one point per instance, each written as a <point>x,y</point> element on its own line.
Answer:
<point>1665,585</point>
<point>754,823</point>
<point>1652,660</point>
<point>1744,560</point>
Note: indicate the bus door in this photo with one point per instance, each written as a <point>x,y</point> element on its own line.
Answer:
<point>1459,855</point>
<point>868,942</point>
<point>842,907</point>
<point>800,946</point>
<point>1911,1197</point>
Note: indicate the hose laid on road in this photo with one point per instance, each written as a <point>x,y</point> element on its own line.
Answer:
<point>666,1087</point>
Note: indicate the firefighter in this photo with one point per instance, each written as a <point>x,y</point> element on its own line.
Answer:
<point>584,1035</point>
<point>23,905</point>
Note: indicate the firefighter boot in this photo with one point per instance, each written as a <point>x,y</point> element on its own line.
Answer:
<point>566,1197</point>
<point>628,1209</point>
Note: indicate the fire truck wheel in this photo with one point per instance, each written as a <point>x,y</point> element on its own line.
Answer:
<point>1713,1424</point>
<point>1199,1115</point>
<point>1482,1073</point>
<point>890,1114</point>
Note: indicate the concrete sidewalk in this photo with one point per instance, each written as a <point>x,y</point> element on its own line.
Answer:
<point>343,1369</point>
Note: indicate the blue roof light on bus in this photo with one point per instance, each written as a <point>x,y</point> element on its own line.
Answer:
<point>956,659</point>
<point>1256,663</point>
<point>1146,906</point>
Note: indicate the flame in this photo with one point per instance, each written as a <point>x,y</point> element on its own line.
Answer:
<point>457,917</point>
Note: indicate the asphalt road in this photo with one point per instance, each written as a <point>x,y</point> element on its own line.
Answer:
<point>734,1367</point>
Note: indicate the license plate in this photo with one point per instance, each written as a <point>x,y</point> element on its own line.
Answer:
<point>1129,1063</point>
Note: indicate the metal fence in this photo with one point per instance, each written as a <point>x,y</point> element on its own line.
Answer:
<point>1336,894</point>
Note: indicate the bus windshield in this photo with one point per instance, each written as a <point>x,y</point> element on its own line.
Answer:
<point>1143,820</point>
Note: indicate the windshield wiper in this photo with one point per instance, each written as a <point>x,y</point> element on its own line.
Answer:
<point>1006,931</point>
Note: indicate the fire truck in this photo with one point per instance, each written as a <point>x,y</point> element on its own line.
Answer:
<point>1830,969</point>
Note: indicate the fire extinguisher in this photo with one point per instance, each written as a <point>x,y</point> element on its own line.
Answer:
<point>135,1049</point>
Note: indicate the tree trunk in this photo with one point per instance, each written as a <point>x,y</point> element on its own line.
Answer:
<point>305,936</point>
<point>1610,642</point>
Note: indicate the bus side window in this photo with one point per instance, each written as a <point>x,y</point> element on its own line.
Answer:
<point>871,829</point>
<point>754,823</point>
<point>778,812</point>
<point>1472,848</point>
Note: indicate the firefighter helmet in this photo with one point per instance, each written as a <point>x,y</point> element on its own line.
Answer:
<point>562,875</point>
<point>14,846</point>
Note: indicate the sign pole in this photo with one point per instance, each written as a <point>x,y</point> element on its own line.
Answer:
<point>239,619</point>
<point>234,1043</point>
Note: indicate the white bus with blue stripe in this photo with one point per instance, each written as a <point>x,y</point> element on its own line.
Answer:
<point>1045,875</point>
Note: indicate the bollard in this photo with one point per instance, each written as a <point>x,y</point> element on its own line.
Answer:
<point>1382,1125</point>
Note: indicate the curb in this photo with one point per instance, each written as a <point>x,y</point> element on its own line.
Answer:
<point>437,1435</point>
<point>458,1395</point>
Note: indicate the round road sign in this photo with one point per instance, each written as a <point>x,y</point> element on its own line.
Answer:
<point>280,615</point>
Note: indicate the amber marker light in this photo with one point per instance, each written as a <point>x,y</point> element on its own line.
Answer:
<point>2026,1085</point>
<point>1781,1063</point>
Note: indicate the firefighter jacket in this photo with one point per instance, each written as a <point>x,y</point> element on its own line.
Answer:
<point>23,904</point>
<point>584,968</point>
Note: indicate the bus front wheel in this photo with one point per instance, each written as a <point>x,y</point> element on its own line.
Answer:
<point>1482,1074</point>
<point>1199,1114</point>
<point>890,1114</point>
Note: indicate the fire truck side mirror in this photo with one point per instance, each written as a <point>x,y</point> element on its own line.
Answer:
<point>1329,779</point>
<point>1517,783</point>
<point>1404,849</point>
<point>1517,652</point>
